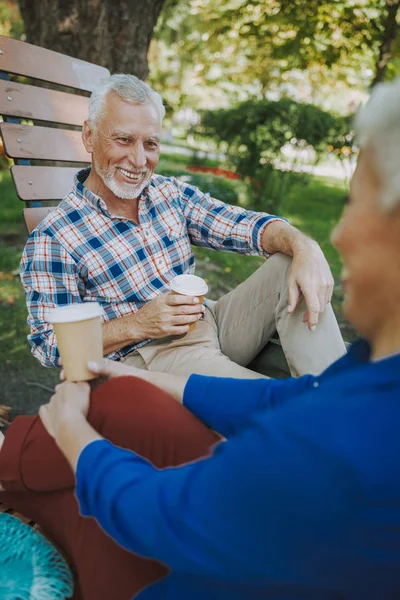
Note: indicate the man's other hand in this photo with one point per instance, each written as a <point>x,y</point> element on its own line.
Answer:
<point>168,314</point>
<point>311,276</point>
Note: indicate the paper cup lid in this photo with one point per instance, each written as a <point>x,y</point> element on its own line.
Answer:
<point>80,311</point>
<point>190,285</point>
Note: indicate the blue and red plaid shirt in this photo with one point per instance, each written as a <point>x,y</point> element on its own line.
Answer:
<point>82,253</point>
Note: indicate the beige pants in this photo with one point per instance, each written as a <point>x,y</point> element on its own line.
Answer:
<point>238,326</point>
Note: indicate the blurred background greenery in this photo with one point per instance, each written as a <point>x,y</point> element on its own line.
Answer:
<point>260,96</point>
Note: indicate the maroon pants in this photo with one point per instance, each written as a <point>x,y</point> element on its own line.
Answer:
<point>40,484</point>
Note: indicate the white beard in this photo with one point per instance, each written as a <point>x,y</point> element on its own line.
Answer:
<point>125,191</point>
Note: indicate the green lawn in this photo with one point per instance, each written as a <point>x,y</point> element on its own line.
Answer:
<point>314,208</point>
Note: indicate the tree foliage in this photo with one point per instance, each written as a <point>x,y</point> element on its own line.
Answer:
<point>11,23</point>
<point>249,47</point>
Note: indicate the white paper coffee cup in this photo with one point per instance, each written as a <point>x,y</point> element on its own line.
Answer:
<point>79,337</point>
<point>189,285</point>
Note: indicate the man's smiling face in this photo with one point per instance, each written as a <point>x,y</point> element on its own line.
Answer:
<point>125,147</point>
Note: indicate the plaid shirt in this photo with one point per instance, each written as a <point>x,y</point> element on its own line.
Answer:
<point>82,253</point>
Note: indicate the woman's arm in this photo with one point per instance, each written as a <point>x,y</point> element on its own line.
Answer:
<point>225,404</point>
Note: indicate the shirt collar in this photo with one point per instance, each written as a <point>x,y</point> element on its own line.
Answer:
<point>359,355</point>
<point>82,191</point>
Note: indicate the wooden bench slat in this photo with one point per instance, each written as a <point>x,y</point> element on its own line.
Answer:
<point>43,183</point>
<point>43,143</point>
<point>30,102</point>
<point>22,58</point>
<point>34,215</point>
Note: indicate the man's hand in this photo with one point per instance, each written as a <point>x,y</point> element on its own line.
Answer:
<point>69,403</point>
<point>310,275</point>
<point>168,314</point>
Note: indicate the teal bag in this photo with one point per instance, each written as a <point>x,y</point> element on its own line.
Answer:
<point>30,567</point>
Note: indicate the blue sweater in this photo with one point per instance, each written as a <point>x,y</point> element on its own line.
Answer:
<point>301,503</point>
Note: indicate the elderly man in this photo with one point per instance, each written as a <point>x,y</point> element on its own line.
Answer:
<point>123,233</point>
<point>301,501</point>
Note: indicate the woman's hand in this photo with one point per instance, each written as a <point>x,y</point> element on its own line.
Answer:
<point>64,418</point>
<point>113,368</point>
<point>69,403</point>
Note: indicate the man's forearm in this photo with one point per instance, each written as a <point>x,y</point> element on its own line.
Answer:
<point>279,236</point>
<point>121,332</point>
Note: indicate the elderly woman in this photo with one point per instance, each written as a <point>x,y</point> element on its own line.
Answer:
<point>301,501</point>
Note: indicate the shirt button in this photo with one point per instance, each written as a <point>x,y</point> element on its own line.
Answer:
<point>316,384</point>
<point>160,262</point>
<point>146,232</point>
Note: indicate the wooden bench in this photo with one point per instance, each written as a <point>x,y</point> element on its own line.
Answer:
<point>44,100</point>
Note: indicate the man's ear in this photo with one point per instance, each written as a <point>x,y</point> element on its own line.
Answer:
<point>87,137</point>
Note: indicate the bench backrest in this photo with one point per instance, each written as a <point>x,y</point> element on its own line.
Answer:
<point>44,100</point>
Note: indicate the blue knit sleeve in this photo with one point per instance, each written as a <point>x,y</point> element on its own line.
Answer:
<point>226,405</point>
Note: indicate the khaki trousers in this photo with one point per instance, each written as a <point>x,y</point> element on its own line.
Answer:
<point>237,328</point>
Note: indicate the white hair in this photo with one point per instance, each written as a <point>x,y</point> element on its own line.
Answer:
<point>127,87</point>
<point>377,127</point>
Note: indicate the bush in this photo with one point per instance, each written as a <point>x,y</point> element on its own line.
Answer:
<point>255,132</point>
<point>218,187</point>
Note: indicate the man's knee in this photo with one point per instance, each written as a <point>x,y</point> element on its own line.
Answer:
<point>277,266</point>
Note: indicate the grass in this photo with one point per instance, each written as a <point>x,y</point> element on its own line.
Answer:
<point>314,208</point>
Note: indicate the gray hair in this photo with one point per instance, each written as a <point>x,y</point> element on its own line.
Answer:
<point>377,126</point>
<point>127,87</point>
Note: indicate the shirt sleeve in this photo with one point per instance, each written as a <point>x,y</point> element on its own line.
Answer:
<point>242,515</point>
<point>226,404</point>
<point>214,224</point>
<point>50,278</point>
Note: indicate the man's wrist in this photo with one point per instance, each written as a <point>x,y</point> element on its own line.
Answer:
<point>122,331</point>
<point>303,244</point>
<point>137,332</point>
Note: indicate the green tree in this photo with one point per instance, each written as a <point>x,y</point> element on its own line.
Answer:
<point>390,34</point>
